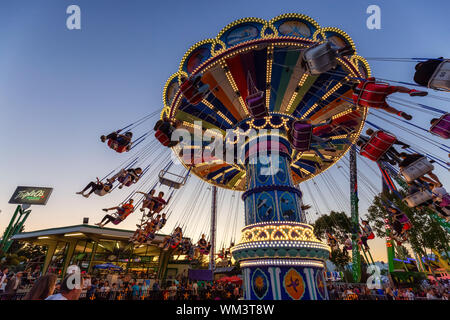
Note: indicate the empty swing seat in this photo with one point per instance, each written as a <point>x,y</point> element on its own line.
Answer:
<point>162,137</point>
<point>378,145</point>
<point>418,198</point>
<point>440,80</point>
<point>442,127</point>
<point>416,169</point>
<point>320,58</point>
<point>176,182</point>
<point>301,136</point>
<point>256,105</point>
<point>194,89</point>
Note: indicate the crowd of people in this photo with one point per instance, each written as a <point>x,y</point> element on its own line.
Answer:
<point>18,286</point>
<point>428,290</point>
<point>29,286</point>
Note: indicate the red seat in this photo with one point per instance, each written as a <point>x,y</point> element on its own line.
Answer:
<point>162,137</point>
<point>378,145</point>
<point>190,90</point>
<point>115,146</point>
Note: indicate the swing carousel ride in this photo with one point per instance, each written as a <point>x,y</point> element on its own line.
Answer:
<point>308,94</point>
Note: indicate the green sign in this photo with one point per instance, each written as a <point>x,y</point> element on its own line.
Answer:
<point>31,195</point>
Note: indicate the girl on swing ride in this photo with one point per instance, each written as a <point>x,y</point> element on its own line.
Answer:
<point>121,213</point>
<point>173,240</point>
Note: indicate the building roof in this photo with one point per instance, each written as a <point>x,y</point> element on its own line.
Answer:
<point>81,231</point>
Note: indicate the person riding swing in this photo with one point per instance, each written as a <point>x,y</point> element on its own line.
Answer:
<point>119,142</point>
<point>99,188</point>
<point>154,204</point>
<point>372,94</point>
<point>121,213</point>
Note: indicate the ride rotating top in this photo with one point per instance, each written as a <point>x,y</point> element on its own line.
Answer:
<point>273,76</point>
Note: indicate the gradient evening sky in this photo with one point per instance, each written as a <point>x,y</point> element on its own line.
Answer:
<point>61,89</point>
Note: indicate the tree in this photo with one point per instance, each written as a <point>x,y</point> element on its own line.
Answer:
<point>338,224</point>
<point>425,233</point>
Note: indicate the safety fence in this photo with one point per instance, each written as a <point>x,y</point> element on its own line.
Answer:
<point>147,295</point>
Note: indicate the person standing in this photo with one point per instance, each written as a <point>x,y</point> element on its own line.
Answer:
<point>68,291</point>
<point>195,290</point>
<point>43,287</point>
<point>173,291</point>
<point>3,277</point>
<point>12,286</point>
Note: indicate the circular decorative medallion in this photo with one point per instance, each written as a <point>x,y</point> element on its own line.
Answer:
<point>294,284</point>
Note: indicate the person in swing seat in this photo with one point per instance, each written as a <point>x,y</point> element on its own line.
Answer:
<point>371,94</point>
<point>122,212</point>
<point>119,141</point>
<point>99,188</point>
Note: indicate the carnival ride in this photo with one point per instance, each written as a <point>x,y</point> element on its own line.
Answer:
<point>291,81</point>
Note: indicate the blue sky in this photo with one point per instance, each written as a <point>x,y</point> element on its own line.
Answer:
<point>61,89</point>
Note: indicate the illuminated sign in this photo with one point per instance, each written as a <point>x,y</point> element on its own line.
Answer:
<point>31,195</point>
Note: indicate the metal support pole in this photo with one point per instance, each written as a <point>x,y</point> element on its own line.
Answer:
<point>389,241</point>
<point>212,262</point>
<point>356,259</point>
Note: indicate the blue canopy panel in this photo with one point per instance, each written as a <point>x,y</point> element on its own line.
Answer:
<point>321,86</point>
<point>279,57</point>
<point>214,173</point>
<point>205,113</point>
<point>307,165</point>
<point>229,175</point>
<point>219,105</point>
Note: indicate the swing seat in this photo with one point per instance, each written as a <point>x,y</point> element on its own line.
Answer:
<point>440,80</point>
<point>162,137</point>
<point>403,219</point>
<point>176,182</point>
<point>122,179</point>
<point>256,105</point>
<point>113,144</point>
<point>378,145</point>
<point>301,135</point>
<point>445,201</point>
<point>442,127</point>
<point>116,221</point>
<point>416,169</point>
<point>175,244</point>
<point>407,226</point>
<point>418,198</point>
<point>320,58</point>
<point>371,236</point>
<point>372,94</point>
<point>194,90</point>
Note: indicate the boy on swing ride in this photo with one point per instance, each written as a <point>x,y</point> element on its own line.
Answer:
<point>154,204</point>
<point>121,213</point>
<point>118,142</point>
